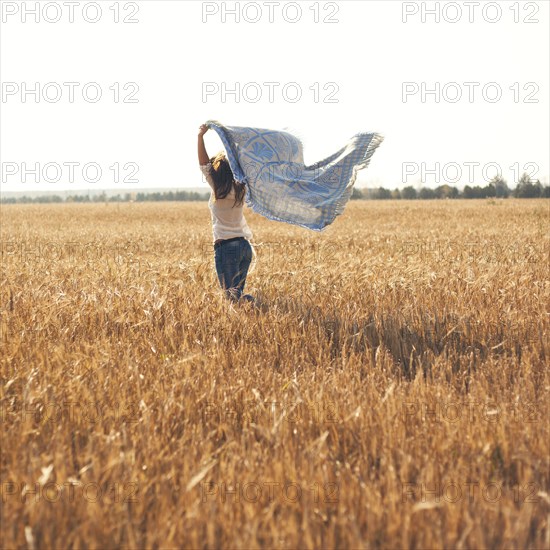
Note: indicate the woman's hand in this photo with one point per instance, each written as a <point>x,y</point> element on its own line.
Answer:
<point>203,129</point>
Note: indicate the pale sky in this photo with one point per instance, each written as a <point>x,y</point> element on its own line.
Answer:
<point>363,60</point>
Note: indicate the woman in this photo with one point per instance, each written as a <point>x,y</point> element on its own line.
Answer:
<point>232,249</point>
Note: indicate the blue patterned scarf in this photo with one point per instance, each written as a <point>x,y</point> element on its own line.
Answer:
<point>278,184</point>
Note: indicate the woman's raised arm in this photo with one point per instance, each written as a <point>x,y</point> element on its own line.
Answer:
<point>203,155</point>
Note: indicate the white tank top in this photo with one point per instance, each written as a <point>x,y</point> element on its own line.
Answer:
<point>227,220</point>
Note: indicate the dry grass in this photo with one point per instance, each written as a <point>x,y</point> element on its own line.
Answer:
<point>403,351</point>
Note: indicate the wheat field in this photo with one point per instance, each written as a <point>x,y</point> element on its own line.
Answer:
<point>391,391</point>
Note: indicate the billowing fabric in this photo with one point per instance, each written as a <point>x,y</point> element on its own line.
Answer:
<point>278,184</point>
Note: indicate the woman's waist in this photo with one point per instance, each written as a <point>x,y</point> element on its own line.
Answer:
<point>223,231</point>
<point>218,242</point>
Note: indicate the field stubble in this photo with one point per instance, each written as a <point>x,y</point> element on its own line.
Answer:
<point>392,392</point>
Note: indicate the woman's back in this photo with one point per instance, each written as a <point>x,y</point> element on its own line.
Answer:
<point>228,219</point>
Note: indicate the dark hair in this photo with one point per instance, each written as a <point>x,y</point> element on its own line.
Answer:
<point>224,180</point>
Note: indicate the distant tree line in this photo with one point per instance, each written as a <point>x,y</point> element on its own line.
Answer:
<point>102,197</point>
<point>497,188</point>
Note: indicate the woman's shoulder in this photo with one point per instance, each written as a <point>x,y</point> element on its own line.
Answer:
<point>206,170</point>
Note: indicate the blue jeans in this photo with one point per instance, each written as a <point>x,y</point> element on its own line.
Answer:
<point>233,259</point>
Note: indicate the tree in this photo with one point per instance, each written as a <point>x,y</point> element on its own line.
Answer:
<point>489,191</point>
<point>356,194</point>
<point>475,192</point>
<point>382,193</point>
<point>525,189</point>
<point>427,193</point>
<point>501,187</point>
<point>408,192</point>
<point>446,192</point>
